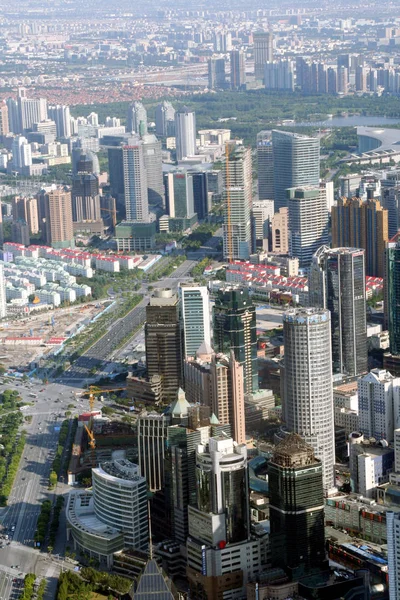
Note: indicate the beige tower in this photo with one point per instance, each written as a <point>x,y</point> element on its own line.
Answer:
<point>58,213</point>
<point>280,231</point>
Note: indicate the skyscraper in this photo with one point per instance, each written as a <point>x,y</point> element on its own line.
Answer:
<point>296,505</point>
<point>216,381</point>
<point>163,338</point>
<point>237,203</point>
<point>238,70</point>
<point>185,133</point>
<point>165,119</point>
<point>136,121</point>
<point>234,322</point>
<point>58,215</point>
<point>152,155</point>
<point>26,209</point>
<point>262,212</point>
<point>86,198</point>
<point>195,315</point>
<point>263,52</point>
<point>296,163</point>
<point>222,557</point>
<point>120,500</point>
<point>4,126</point>
<point>379,404</point>
<point>265,166</point>
<point>358,224</point>
<point>60,114</point>
<point>22,153</point>
<point>337,282</point>
<point>200,194</point>
<point>280,231</point>
<point>135,183</point>
<point>179,197</point>
<point>152,436</point>
<point>307,399</point>
<point>30,110</point>
<point>392,293</point>
<point>216,73</point>
<point>308,222</point>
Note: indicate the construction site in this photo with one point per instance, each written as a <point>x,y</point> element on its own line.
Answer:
<point>25,341</point>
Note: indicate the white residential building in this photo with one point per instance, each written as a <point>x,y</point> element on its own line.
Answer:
<point>379,404</point>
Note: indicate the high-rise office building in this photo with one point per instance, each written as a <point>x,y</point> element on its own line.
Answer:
<point>58,214</point>
<point>308,222</point>
<point>337,282</point>
<point>120,500</point>
<point>196,318</point>
<point>392,294</point>
<point>196,426</point>
<point>216,73</point>
<point>165,119</point>
<point>14,124</point>
<point>262,212</point>
<point>238,70</point>
<point>3,308</point>
<point>265,166</point>
<point>135,183</point>
<point>379,404</point>
<point>263,51</point>
<point>4,125</point>
<point>307,398</point>
<point>237,203</point>
<point>86,197</point>
<point>200,194</point>
<point>234,322</point>
<point>31,110</point>
<point>217,381</point>
<point>296,163</point>
<point>152,155</point>
<point>185,133</point>
<point>280,231</point>
<point>358,224</point>
<point>152,436</point>
<point>179,198</point>
<point>61,115</point>
<point>163,337</point>
<point>296,504</point>
<point>222,557</point>
<point>136,121</point>
<point>21,153</point>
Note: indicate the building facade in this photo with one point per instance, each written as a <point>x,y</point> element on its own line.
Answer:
<point>307,389</point>
<point>337,282</point>
<point>196,318</point>
<point>234,322</point>
<point>237,203</point>
<point>296,163</point>
<point>308,222</point>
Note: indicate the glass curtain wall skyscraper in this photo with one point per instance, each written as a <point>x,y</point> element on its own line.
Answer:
<point>337,282</point>
<point>296,163</point>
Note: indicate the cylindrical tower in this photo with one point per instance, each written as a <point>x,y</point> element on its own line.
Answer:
<point>307,401</point>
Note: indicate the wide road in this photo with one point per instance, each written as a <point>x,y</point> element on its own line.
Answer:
<point>18,556</point>
<point>106,345</point>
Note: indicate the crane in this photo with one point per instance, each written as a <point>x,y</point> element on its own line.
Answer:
<point>92,445</point>
<point>93,391</point>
